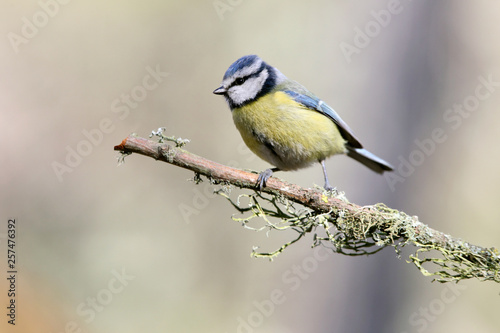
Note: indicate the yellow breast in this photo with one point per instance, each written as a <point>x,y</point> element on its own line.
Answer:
<point>285,133</point>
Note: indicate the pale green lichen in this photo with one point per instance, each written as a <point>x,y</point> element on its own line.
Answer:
<point>365,232</point>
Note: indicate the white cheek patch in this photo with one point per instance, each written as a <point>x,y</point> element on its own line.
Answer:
<point>248,90</point>
<point>256,83</point>
<point>237,94</point>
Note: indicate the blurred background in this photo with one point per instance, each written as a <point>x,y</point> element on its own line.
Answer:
<point>139,247</point>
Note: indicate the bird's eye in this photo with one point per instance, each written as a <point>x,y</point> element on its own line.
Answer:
<point>239,81</point>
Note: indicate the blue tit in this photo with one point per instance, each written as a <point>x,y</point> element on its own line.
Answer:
<point>285,124</point>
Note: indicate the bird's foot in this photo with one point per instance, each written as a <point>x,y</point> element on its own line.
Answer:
<point>263,177</point>
<point>330,188</point>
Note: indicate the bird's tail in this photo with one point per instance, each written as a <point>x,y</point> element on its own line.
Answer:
<point>368,159</point>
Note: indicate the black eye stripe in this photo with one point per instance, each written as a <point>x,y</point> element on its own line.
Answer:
<point>240,80</point>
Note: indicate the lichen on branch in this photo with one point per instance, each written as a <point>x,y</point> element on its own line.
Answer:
<point>330,218</point>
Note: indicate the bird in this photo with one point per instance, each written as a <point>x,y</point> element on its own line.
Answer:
<point>285,124</point>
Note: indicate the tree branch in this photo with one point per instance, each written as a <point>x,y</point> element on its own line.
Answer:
<point>345,227</point>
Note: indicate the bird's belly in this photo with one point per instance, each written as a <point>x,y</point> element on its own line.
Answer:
<point>286,134</point>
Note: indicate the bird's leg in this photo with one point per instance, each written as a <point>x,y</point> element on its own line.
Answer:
<point>264,176</point>
<point>328,187</point>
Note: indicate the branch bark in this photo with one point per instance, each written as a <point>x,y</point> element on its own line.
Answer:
<point>386,227</point>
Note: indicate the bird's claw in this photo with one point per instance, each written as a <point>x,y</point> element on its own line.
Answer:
<point>329,188</point>
<point>263,177</point>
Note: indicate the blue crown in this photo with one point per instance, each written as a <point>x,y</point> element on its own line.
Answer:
<point>239,64</point>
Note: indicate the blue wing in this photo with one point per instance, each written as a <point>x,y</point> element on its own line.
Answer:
<point>318,105</point>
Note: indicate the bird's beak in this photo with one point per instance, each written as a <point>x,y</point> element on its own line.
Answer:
<point>220,91</point>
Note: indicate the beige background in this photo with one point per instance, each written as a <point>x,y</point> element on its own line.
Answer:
<point>195,274</point>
